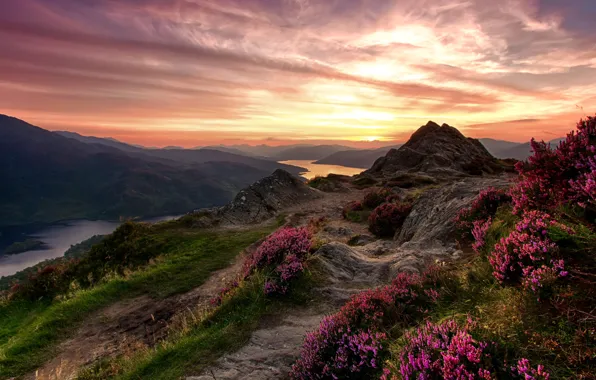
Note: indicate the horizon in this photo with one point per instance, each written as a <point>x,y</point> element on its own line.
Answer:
<point>358,73</point>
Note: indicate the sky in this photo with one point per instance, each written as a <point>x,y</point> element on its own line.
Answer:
<point>361,72</point>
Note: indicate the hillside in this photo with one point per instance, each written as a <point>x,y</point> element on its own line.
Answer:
<point>356,158</point>
<point>487,275</point>
<point>308,152</point>
<point>45,177</point>
<point>521,151</point>
<point>177,155</point>
<point>495,146</point>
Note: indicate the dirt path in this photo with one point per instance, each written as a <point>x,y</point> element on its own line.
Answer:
<point>141,322</point>
<point>128,325</point>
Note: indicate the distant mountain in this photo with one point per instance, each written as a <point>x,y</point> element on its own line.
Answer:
<point>185,156</point>
<point>108,141</point>
<point>522,151</point>
<point>46,177</point>
<point>258,150</point>
<point>356,158</point>
<point>228,149</point>
<point>316,152</point>
<point>495,146</point>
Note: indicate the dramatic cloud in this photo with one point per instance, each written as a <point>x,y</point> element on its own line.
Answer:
<point>205,71</point>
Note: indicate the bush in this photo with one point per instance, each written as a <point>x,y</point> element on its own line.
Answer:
<point>280,257</point>
<point>386,219</point>
<point>554,177</point>
<point>483,207</point>
<point>352,344</point>
<point>47,282</point>
<point>528,256</point>
<point>350,208</point>
<point>374,199</point>
<point>449,351</point>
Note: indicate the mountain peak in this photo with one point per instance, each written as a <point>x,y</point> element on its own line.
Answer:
<point>439,149</point>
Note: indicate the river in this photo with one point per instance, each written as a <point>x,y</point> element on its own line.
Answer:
<point>58,239</point>
<point>315,170</point>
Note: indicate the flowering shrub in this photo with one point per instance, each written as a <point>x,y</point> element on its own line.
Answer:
<point>483,207</point>
<point>375,198</point>
<point>273,251</point>
<point>351,343</point>
<point>282,256</point>
<point>46,282</point>
<point>524,370</point>
<point>527,255</point>
<point>386,219</point>
<point>444,351</point>
<point>351,207</point>
<point>561,175</point>
<point>449,351</point>
<point>479,232</point>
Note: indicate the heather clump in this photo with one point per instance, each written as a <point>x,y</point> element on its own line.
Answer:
<point>281,257</point>
<point>353,343</point>
<point>47,282</point>
<point>386,219</point>
<point>485,206</point>
<point>479,231</point>
<point>559,176</point>
<point>375,198</point>
<point>528,256</point>
<point>350,208</point>
<point>449,350</point>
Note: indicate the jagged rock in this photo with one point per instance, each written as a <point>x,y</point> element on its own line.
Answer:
<point>338,231</point>
<point>377,248</point>
<point>431,221</point>
<point>265,198</point>
<point>359,240</point>
<point>344,263</point>
<point>258,202</point>
<point>438,150</point>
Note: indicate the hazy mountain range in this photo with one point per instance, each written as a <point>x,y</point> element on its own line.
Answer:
<point>46,177</point>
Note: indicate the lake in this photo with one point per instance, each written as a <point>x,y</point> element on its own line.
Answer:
<point>315,170</point>
<point>58,238</point>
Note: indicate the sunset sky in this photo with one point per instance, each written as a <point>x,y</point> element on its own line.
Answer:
<point>200,72</point>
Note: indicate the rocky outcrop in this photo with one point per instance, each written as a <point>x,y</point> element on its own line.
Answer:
<point>265,198</point>
<point>430,222</point>
<point>438,150</point>
<point>260,201</point>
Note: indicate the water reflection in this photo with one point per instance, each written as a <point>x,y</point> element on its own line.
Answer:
<point>58,239</point>
<point>315,170</point>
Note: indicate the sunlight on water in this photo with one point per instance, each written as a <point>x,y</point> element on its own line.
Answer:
<point>315,170</point>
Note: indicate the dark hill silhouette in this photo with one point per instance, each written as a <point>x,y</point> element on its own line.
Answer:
<point>495,146</point>
<point>186,156</point>
<point>46,177</point>
<point>356,158</point>
<point>309,152</point>
<point>439,150</point>
<point>522,151</point>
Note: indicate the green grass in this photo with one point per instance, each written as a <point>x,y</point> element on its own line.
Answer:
<point>30,331</point>
<point>193,349</point>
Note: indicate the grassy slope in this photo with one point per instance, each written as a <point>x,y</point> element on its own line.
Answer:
<point>201,342</point>
<point>30,331</point>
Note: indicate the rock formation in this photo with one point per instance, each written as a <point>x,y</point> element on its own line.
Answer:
<point>440,151</point>
<point>258,202</point>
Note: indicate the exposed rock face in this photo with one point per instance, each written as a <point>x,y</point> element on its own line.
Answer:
<point>430,222</point>
<point>437,150</point>
<point>265,198</point>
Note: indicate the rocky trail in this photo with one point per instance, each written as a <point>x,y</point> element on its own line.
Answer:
<point>426,236</point>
